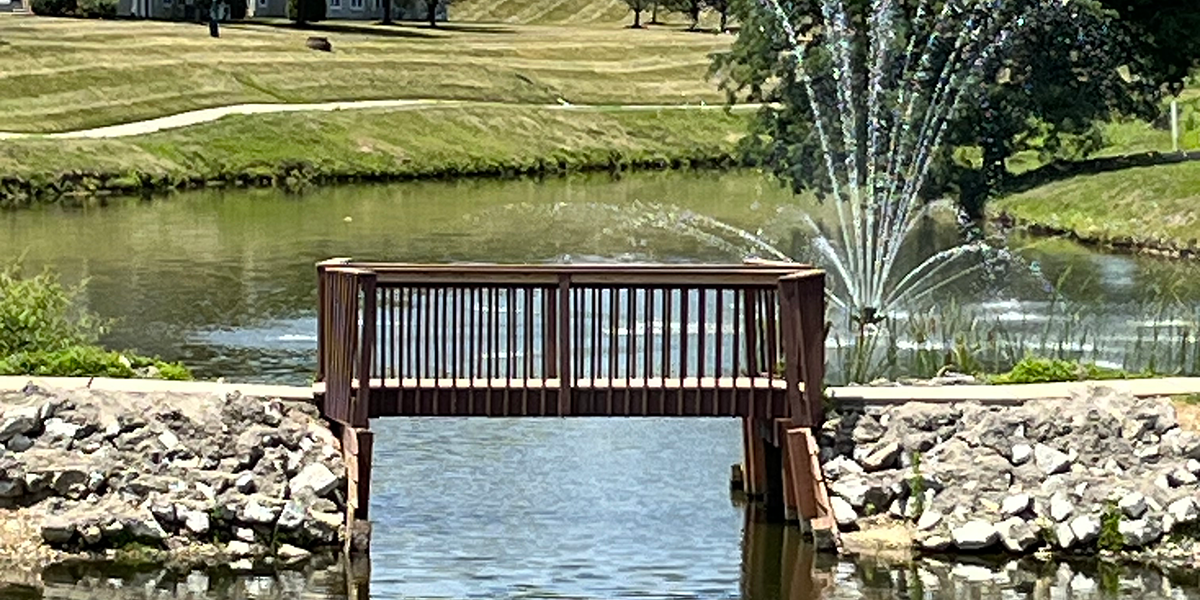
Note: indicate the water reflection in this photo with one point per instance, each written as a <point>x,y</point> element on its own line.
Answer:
<point>224,279</point>
<point>777,564</point>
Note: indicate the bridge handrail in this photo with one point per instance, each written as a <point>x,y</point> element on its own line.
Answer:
<point>781,317</point>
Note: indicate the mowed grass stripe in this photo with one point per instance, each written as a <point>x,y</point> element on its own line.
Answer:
<point>59,75</point>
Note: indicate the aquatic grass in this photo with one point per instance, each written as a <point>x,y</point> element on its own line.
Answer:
<point>1064,343</point>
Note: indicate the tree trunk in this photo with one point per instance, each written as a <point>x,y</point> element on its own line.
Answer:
<point>694,12</point>
<point>637,18</point>
<point>387,12</point>
<point>654,14</point>
<point>432,6</point>
<point>724,19</point>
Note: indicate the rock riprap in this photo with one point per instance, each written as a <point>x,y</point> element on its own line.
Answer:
<point>239,476</point>
<point>1102,471</point>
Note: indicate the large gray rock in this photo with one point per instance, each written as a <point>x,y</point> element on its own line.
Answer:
<point>1086,529</point>
<point>1016,534</point>
<point>1060,507</point>
<point>1016,504</point>
<point>60,429</point>
<point>1050,461</point>
<point>841,467</point>
<point>1064,536</point>
<point>57,530</point>
<point>1133,505</point>
<point>258,511</point>
<point>19,421</point>
<point>843,512</point>
<point>315,477</point>
<point>935,542</point>
<point>144,526</point>
<point>1020,454</point>
<point>1183,511</point>
<point>195,522</point>
<point>1181,477</point>
<point>1141,532</point>
<point>929,519</point>
<point>884,456</point>
<point>974,535</point>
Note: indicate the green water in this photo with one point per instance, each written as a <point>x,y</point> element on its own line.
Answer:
<point>224,280</point>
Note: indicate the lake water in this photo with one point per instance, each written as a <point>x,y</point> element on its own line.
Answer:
<point>463,508</point>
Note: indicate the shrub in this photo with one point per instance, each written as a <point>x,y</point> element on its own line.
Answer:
<point>89,361</point>
<point>40,314</point>
<point>53,8</point>
<point>45,330</point>
<point>97,9</point>
<point>1032,369</point>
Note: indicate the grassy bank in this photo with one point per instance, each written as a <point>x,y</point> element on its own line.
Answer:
<point>296,148</point>
<point>68,74</point>
<point>1150,207</point>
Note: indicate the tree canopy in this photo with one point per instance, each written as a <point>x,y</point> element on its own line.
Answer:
<point>1061,70</point>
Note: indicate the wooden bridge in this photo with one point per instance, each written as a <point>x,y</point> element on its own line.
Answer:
<point>744,340</point>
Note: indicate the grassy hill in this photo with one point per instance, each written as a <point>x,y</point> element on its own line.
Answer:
<point>64,74</point>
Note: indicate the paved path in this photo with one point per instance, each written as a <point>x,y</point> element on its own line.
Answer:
<point>987,394</point>
<point>207,115</point>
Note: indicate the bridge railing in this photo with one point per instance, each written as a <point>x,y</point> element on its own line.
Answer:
<point>571,339</point>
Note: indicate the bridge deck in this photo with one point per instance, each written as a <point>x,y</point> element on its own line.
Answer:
<point>689,396</point>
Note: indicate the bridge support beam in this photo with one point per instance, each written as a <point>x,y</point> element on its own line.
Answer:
<point>812,498</point>
<point>754,452</point>
<point>358,447</point>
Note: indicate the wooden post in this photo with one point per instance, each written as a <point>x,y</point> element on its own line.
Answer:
<point>802,298</point>
<point>754,451</point>
<point>789,485</point>
<point>811,493</point>
<point>366,351</point>
<point>323,314</point>
<point>366,452</point>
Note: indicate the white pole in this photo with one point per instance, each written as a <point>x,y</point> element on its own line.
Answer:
<point>1175,125</point>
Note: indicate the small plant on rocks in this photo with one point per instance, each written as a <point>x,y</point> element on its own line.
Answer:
<point>916,486</point>
<point>1110,529</point>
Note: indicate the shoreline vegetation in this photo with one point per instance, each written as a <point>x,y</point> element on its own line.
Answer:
<point>293,150</point>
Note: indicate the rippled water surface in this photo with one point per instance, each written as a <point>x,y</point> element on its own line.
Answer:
<point>528,508</point>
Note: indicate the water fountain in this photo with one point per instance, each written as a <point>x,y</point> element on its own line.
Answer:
<point>880,117</point>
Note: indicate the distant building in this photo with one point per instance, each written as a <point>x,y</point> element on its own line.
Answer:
<point>357,10</point>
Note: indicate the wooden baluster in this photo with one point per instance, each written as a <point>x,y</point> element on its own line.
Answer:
<point>631,345</point>
<point>510,355</point>
<point>564,344</point>
<point>613,324</point>
<point>648,328</point>
<point>719,343</point>
<point>528,339</point>
<point>666,353</point>
<point>772,359</point>
<point>684,300</point>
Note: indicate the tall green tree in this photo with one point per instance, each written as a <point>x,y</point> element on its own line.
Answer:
<point>638,7</point>
<point>1061,70</point>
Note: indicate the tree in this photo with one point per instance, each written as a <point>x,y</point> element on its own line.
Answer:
<point>721,7</point>
<point>638,7</point>
<point>304,12</point>
<point>387,12</point>
<point>1066,68</point>
<point>431,10</point>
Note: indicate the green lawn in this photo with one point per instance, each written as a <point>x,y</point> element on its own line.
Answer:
<point>64,74</point>
<point>1151,204</point>
<point>379,144</point>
